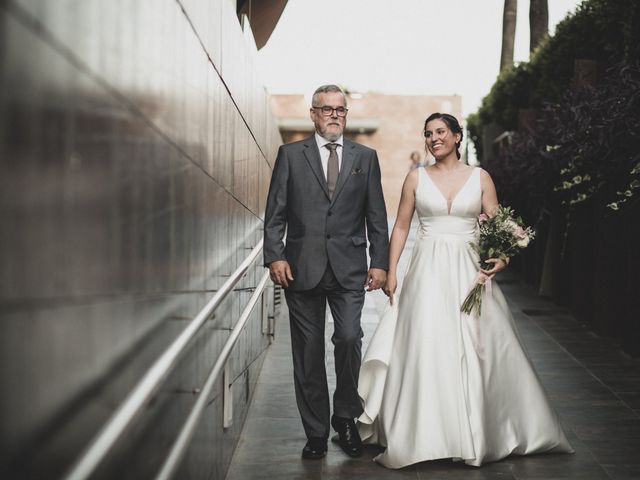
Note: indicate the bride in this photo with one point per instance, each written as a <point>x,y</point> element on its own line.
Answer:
<point>436,383</point>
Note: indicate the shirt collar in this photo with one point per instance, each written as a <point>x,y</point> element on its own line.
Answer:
<point>321,141</point>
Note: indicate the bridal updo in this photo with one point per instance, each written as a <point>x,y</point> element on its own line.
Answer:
<point>452,123</point>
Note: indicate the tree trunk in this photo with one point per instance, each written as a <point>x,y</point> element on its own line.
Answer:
<point>508,33</point>
<point>538,22</point>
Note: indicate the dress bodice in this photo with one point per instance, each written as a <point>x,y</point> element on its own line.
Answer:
<point>433,210</point>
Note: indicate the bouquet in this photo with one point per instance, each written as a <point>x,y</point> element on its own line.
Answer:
<point>500,236</point>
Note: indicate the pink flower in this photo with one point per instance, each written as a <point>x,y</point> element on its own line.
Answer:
<point>483,217</point>
<point>519,232</point>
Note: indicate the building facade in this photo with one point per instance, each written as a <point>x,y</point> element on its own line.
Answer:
<point>391,124</point>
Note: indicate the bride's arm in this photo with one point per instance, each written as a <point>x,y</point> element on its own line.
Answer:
<point>401,229</point>
<point>489,204</point>
<point>489,195</point>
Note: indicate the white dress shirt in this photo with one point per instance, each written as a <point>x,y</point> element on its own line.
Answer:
<point>325,152</point>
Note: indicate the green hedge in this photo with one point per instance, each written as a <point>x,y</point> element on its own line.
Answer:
<point>574,172</point>
<point>585,143</point>
<point>607,31</point>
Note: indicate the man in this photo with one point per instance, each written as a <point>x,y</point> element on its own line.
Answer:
<point>323,191</point>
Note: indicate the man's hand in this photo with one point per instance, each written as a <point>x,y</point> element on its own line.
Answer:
<point>280,272</point>
<point>376,277</point>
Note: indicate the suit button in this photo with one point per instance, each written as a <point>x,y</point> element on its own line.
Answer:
<point>330,213</point>
<point>328,236</point>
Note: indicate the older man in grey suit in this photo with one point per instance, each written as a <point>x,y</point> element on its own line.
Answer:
<point>326,194</point>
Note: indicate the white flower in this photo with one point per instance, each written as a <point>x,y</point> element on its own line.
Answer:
<point>513,226</point>
<point>523,242</point>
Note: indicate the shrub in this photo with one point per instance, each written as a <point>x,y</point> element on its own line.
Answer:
<point>607,31</point>
<point>586,143</point>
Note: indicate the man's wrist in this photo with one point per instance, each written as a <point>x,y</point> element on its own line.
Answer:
<point>386,269</point>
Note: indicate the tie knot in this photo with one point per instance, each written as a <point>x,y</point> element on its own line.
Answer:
<point>332,146</point>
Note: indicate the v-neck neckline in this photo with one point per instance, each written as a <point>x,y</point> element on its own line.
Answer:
<point>446,202</point>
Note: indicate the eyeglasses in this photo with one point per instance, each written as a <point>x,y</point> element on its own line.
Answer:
<point>327,111</point>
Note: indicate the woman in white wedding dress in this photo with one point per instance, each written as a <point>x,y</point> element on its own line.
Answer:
<point>437,383</point>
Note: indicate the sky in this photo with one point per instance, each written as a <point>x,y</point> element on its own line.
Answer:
<point>408,47</point>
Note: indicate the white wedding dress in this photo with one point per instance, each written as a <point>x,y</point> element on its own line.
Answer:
<point>436,383</point>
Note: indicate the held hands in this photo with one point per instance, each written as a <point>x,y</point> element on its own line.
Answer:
<point>280,272</point>
<point>376,278</point>
<point>391,286</point>
<point>499,264</point>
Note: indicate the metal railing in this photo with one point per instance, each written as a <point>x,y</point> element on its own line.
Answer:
<point>141,394</point>
<point>181,444</point>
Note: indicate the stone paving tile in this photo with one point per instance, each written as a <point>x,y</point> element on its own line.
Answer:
<point>623,471</point>
<point>450,470</point>
<point>594,387</point>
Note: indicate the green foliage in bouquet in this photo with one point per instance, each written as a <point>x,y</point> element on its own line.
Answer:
<point>502,235</point>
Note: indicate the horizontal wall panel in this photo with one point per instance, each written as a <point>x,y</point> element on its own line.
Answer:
<point>136,147</point>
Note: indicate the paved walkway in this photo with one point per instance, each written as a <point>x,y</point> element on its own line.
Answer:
<point>594,387</point>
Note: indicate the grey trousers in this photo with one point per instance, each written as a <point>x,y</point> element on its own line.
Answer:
<point>307,317</point>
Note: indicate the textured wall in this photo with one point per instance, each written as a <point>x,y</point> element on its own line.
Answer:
<point>135,154</point>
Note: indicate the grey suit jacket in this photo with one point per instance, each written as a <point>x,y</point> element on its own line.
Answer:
<point>319,229</point>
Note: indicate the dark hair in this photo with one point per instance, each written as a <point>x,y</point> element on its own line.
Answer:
<point>452,123</point>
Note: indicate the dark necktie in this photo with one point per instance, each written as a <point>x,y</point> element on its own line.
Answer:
<point>332,168</point>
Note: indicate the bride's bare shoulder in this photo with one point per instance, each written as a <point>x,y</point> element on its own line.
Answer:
<point>411,180</point>
<point>486,183</point>
<point>413,175</point>
<point>484,175</point>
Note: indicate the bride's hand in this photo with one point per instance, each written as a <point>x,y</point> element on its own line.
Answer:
<point>499,264</point>
<point>390,286</point>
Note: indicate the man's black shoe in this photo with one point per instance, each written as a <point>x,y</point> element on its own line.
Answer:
<point>348,436</point>
<point>314,449</point>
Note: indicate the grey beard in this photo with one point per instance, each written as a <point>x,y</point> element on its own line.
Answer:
<point>331,137</point>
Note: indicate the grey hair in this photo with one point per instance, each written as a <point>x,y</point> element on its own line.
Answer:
<point>326,89</point>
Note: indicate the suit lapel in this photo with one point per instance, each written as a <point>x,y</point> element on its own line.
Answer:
<point>313,158</point>
<point>348,157</point>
